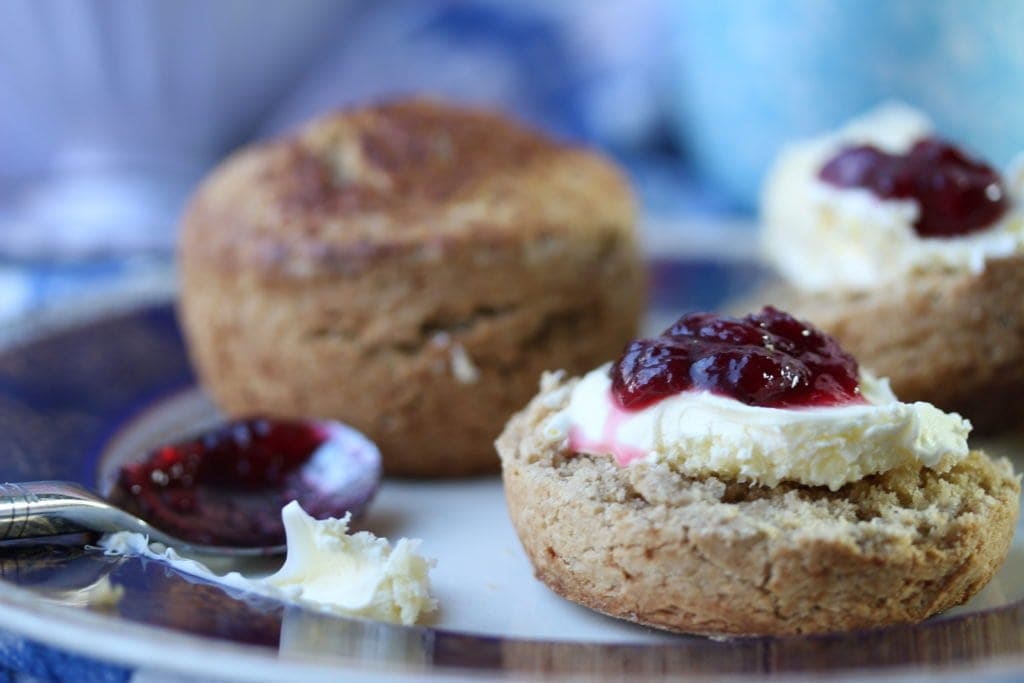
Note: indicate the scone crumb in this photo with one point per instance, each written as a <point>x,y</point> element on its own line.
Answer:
<point>556,427</point>
<point>553,392</point>
<point>462,365</point>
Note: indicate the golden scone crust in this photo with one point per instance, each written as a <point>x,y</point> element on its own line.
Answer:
<point>713,557</point>
<point>409,268</point>
<point>954,340</point>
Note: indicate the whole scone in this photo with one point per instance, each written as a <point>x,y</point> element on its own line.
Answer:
<point>710,555</point>
<point>410,269</point>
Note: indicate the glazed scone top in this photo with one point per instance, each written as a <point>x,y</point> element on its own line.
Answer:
<point>822,237</point>
<point>414,177</point>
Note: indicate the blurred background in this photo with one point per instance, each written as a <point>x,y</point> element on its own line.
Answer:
<point>112,110</point>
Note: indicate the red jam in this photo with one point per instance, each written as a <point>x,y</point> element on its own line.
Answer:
<point>227,486</point>
<point>767,359</point>
<point>956,194</point>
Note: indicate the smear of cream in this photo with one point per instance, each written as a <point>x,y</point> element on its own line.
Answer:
<point>698,434</point>
<point>326,568</point>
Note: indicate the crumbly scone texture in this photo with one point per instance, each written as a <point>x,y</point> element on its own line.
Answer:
<point>713,557</point>
<point>954,340</point>
<point>410,269</point>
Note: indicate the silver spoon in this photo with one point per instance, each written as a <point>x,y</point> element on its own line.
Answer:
<point>40,509</point>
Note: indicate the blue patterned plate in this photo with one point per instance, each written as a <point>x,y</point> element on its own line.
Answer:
<point>75,403</point>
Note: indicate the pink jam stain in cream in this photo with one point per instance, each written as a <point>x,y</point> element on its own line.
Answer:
<point>608,443</point>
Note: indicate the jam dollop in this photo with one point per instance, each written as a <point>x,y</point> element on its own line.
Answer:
<point>226,486</point>
<point>768,359</point>
<point>956,194</point>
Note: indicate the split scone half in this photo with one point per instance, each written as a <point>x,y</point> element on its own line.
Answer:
<point>698,512</point>
<point>910,252</point>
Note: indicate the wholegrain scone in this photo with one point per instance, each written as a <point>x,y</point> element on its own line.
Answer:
<point>407,268</point>
<point>912,254</point>
<point>684,505</point>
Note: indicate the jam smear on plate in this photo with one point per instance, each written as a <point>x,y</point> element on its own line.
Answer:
<point>227,486</point>
<point>956,194</point>
<point>768,359</point>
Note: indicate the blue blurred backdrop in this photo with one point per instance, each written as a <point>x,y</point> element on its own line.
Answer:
<point>112,110</point>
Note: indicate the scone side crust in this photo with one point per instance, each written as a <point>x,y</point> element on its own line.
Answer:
<point>681,558</point>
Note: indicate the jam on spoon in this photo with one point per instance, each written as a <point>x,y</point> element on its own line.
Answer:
<point>767,359</point>
<point>956,194</point>
<point>226,487</point>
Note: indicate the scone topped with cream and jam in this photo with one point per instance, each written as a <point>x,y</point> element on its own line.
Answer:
<point>745,476</point>
<point>911,252</point>
<point>883,199</point>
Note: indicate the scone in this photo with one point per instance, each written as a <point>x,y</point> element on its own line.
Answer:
<point>745,477</point>
<point>410,269</point>
<point>912,254</point>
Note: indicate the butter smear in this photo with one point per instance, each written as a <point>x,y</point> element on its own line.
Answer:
<point>326,568</point>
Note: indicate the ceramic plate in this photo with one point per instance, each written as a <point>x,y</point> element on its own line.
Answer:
<point>77,402</point>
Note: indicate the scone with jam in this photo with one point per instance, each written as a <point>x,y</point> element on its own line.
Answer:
<point>911,252</point>
<point>739,476</point>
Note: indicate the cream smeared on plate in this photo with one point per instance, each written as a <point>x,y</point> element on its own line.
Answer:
<point>328,569</point>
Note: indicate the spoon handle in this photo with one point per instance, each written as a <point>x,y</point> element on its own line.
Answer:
<point>38,509</point>
<point>49,508</point>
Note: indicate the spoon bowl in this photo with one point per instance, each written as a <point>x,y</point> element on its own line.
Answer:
<point>219,492</point>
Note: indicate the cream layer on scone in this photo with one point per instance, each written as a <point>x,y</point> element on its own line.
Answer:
<point>698,433</point>
<point>822,237</point>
